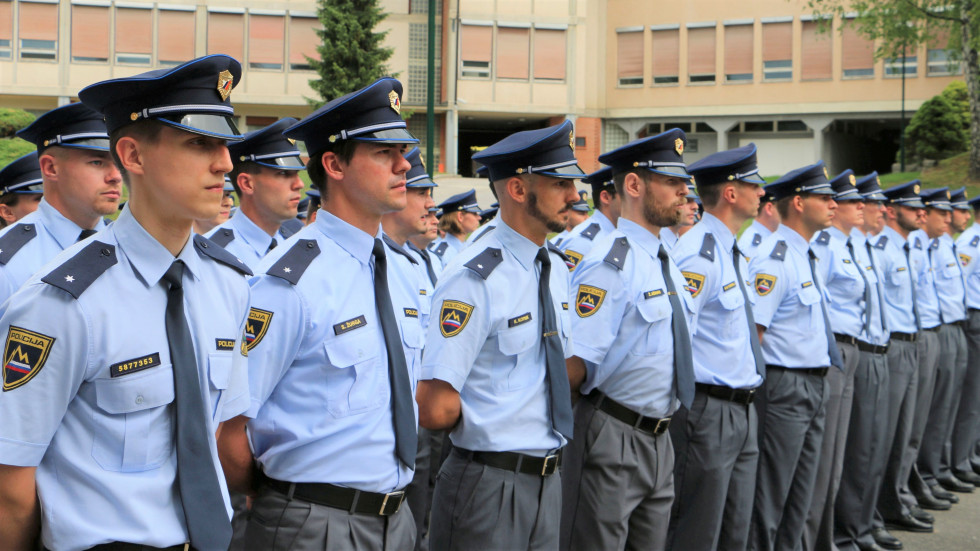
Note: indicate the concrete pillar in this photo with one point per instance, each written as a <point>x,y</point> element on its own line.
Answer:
<point>452,141</point>
<point>631,126</point>
<point>818,124</point>
<point>721,127</point>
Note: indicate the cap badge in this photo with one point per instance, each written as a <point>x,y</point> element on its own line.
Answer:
<point>826,173</point>
<point>878,181</point>
<point>571,140</point>
<point>679,146</point>
<point>948,196</point>
<point>853,180</point>
<point>291,141</point>
<point>915,189</point>
<point>395,101</point>
<point>225,82</point>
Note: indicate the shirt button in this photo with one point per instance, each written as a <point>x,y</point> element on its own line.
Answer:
<point>139,399</point>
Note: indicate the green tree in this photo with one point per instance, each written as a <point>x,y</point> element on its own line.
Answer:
<point>936,131</point>
<point>351,54</point>
<point>899,24</point>
<point>960,102</point>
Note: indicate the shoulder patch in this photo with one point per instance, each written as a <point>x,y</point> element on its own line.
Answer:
<point>591,231</point>
<point>574,257</point>
<point>483,234</point>
<point>934,244</point>
<point>756,239</point>
<point>823,238</point>
<point>964,259</point>
<point>779,251</point>
<point>14,239</point>
<point>23,356</point>
<point>693,283</point>
<point>205,248</point>
<point>453,317</point>
<point>397,248</point>
<point>440,250</point>
<point>588,300</point>
<point>617,254</point>
<point>568,261</point>
<point>975,240</point>
<point>486,262</point>
<point>882,241</point>
<point>81,270</point>
<point>222,237</point>
<point>764,284</point>
<point>297,259</point>
<point>255,328</point>
<point>290,227</point>
<point>708,246</point>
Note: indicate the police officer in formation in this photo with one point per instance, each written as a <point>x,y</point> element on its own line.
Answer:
<point>809,387</point>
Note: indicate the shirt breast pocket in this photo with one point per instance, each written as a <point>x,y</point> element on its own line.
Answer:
<point>518,369</point>
<point>809,296</point>
<point>733,304</point>
<point>898,279</point>
<point>136,429</point>
<point>413,339</point>
<point>356,381</point>
<point>657,314</point>
<point>951,272</point>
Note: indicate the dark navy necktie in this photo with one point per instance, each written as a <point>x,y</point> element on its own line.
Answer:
<point>760,362</point>
<point>85,234</point>
<point>559,388</point>
<point>272,245</point>
<point>683,355</point>
<point>835,358</point>
<point>867,289</point>
<point>915,301</point>
<point>879,288</point>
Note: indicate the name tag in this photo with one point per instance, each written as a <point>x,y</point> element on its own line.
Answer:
<point>411,313</point>
<point>651,294</point>
<point>423,292</point>
<point>564,306</point>
<point>349,325</point>
<point>134,365</point>
<point>519,320</point>
<point>224,344</point>
<point>807,284</point>
<point>729,287</point>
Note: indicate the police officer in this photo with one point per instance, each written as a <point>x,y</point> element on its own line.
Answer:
<point>120,428</point>
<point>799,348</point>
<point>313,206</point>
<point>460,217</point>
<point>266,180</point>
<point>689,216</point>
<point>20,188</point>
<point>494,370</point>
<point>81,185</point>
<point>485,223</point>
<point>762,227</point>
<point>576,215</point>
<point>417,246</point>
<point>227,204</point>
<point>716,441</point>
<point>336,339</point>
<point>607,205</point>
<point>967,422</point>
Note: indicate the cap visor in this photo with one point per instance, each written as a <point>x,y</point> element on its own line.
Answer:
<point>289,163</point>
<point>94,144</point>
<point>753,179</point>
<point>821,191</point>
<point>215,126</point>
<point>570,171</point>
<point>26,188</point>
<point>675,171</point>
<point>392,135</point>
<point>424,182</point>
<point>913,203</point>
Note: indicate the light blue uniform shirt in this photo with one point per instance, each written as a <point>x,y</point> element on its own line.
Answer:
<point>483,229</point>
<point>445,248</point>
<point>251,243</point>
<point>898,278</point>
<point>494,355</point>
<point>427,289</point>
<point>54,233</point>
<point>96,418</point>
<point>576,245</point>
<point>949,280</point>
<point>404,266</point>
<point>560,238</point>
<point>668,238</point>
<point>788,303</point>
<point>925,290</point>
<point>968,248</point>
<point>321,398</point>
<point>751,239</point>
<point>721,343</point>
<point>879,330</point>
<point>845,286</point>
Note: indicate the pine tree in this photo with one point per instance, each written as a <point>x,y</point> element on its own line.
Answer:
<point>351,54</point>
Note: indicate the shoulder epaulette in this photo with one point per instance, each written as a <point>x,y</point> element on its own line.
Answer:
<point>222,237</point>
<point>918,243</point>
<point>975,240</point>
<point>483,233</point>
<point>485,262</point>
<point>756,239</point>
<point>823,238</point>
<point>206,247</point>
<point>882,241</point>
<point>934,244</point>
<point>397,248</point>
<point>290,227</point>
<point>779,251</point>
<point>14,239</point>
<point>440,249</point>
<point>617,254</point>
<point>708,246</point>
<point>297,259</point>
<point>553,248</point>
<point>81,270</point>
<point>591,231</point>
<point>558,241</point>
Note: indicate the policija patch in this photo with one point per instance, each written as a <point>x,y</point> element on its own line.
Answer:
<point>764,284</point>
<point>694,283</point>
<point>574,257</point>
<point>255,327</point>
<point>588,300</point>
<point>453,317</point>
<point>23,356</point>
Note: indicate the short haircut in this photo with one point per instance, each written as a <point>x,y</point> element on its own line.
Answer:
<point>620,178</point>
<point>782,205</point>
<point>11,200</point>
<point>710,194</point>
<point>344,149</point>
<point>242,167</point>
<point>147,130</point>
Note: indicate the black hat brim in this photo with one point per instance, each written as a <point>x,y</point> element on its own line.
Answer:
<point>215,126</point>
<point>673,171</point>
<point>391,135</point>
<point>287,163</point>
<point>573,172</point>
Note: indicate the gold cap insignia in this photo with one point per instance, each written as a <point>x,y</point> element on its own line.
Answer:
<point>332,138</point>
<point>635,164</point>
<point>395,101</point>
<point>693,183</point>
<point>242,158</point>
<point>826,173</point>
<point>878,181</point>
<point>730,177</point>
<point>134,116</point>
<point>915,189</point>
<point>679,146</point>
<point>291,141</point>
<point>520,171</point>
<point>571,140</point>
<point>46,142</point>
<point>948,196</point>
<point>225,84</point>
<point>853,180</point>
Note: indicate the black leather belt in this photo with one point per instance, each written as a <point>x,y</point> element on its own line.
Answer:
<point>846,339</point>
<point>907,337</point>
<point>933,329</point>
<point>873,348</point>
<point>514,462</point>
<point>339,497</point>
<point>123,546</point>
<point>817,371</point>
<point>737,395</point>
<point>618,411</point>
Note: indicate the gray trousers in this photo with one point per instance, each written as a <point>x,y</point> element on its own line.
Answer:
<point>865,454</point>
<point>618,485</point>
<point>903,384</point>
<point>819,533</point>
<point>950,371</point>
<point>480,507</point>
<point>967,422</point>
<point>791,426</point>
<point>418,493</point>
<point>716,455</point>
<point>280,523</point>
<point>239,521</point>
<point>928,347</point>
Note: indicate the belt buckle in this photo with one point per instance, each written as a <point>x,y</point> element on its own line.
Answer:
<point>665,422</point>
<point>552,461</point>
<point>749,395</point>
<point>399,495</point>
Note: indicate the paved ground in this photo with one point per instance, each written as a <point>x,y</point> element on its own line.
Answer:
<point>956,530</point>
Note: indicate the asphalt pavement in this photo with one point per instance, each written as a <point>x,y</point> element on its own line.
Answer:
<point>955,530</point>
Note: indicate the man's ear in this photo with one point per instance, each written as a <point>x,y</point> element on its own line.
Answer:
<point>49,166</point>
<point>333,166</point>
<point>633,185</point>
<point>128,151</point>
<point>798,203</point>
<point>246,183</point>
<point>7,214</point>
<point>517,189</point>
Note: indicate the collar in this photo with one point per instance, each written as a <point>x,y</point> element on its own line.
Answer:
<point>893,235</point>
<point>946,239</point>
<point>64,231</point>
<point>759,227</point>
<point>523,249</point>
<point>357,243</point>
<point>246,229</point>
<point>857,237</point>
<point>836,233</point>
<point>793,239</point>
<point>717,228</point>
<point>148,257</point>
<point>604,222</point>
<point>640,236</point>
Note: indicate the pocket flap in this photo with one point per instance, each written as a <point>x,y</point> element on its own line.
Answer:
<point>129,393</point>
<point>513,341</point>
<point>810,295</point>
<point>654,309</point>
<point>412,333</point>
<point>352,348</point>
<point>219,369</point>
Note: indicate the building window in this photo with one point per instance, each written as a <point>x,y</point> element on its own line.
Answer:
<point>513,52</point>
<point>777,51</point>
<point>549,54</point>
<point>303,41</point>
<point>858,54</point>
<point>266,36</point>
<point>666,56</point>
<point>226,34</point>
<point>894,65</point>
<point>818,49</point>
<point>418,63</point>
<point>701,55</point>
<point>89,33</point>
<point>38,31</point>
<point>134,36</point>
<point>613,136</point>
<point>475,51</point>
<point>6,29</point>
<point>629,57</point>
<point>938,59</point>
<point>175,36</point>
<point>422,6</point>
<point>738,53</point>
<point>579,141</point>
